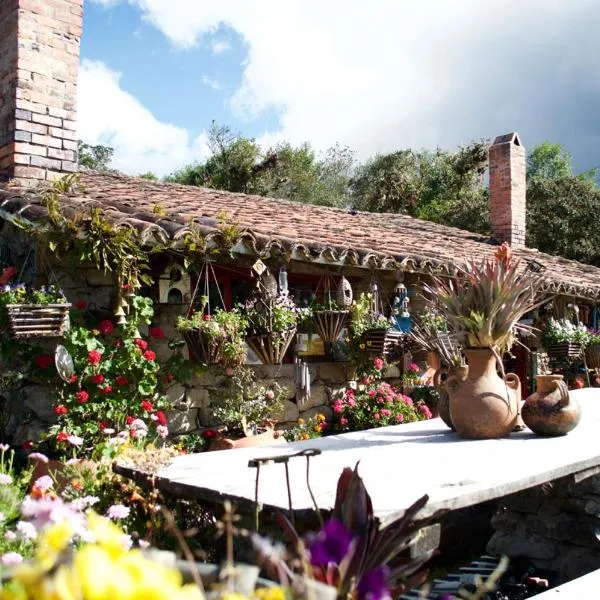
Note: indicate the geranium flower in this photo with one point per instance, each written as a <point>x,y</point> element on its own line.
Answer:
<point>43,361</point>
<point>343,421</point>
<point>150,355</point>
<point>209,434</point>
<point>147,406</point>
<point>80,304</point>
<point>413,368</point>
<point>107,389</point>
<point>82,396</point>
<point>97,379</point>
<point>27,445</point>
<point>75,440</point>
<point>141,344</point>
<point>378,363</point>
<point>106,327</point>
<point>162,431</point>
<point>62,436</point>
<point>61,409</point>
<point>161,418</point>
<point>94,357</point>
<point>73,379</point>
<point>129,420</point>
<point>157,333</point>
<point>7,274</point>
<point>424,410</point>
<point>121,380</point>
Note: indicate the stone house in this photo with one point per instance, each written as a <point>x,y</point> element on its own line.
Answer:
<point>39,61</point>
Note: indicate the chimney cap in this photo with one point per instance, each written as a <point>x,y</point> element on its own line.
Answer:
<point>508,138</point>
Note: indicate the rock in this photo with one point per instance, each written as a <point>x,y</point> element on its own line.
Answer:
<point>289,412</point>
<point>526,501</point>
<point>575,562</point>
<point>337,372</point>
<point>96,278</point>
<point>206,417</point>
<point>288,386</point>
<point>270,372</point>
<point>38,399</point>
<point>318,396</point>
<point>199,397</point>
<point>505,520</point>
<point>513,546</point>
<point>182,421</point>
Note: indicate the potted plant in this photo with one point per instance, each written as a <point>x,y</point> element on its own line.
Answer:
<point>563,340</point>
<point>217,339</point>
<point>245,411</point>
<point>329,319</point>
<point>30,312</point>
<point>272,323</point>
<point>592,349</point>
<point>370,330</point>
<point>483,306</point>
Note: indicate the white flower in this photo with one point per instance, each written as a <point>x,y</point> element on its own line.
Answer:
<point>162,431</point>
<point>75,440</point>
<point>10,536</point>
<point>126,541</point>
<point>2,517</point>
<point>26,530</point>
<point>73,461</point>
<point>5,479</point>
<point>43,483</point>
<point>4,447</point>
<point>118,511</point>
<point>153,418</point>
<point>39,457</point>
<point>143,544</point>
<point>11,558</point>
<point>139,434</point>
<point>108,431</point>
<point>138,424</point>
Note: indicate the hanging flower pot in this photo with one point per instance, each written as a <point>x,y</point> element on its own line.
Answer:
<point>565,351</point>
<point>592,356</point>
<point>270,348</point>
<point>38,320</point>
<point>329,324</point>
<point>381,342</point>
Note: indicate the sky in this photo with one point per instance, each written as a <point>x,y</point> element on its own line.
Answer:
<point>375,75</point>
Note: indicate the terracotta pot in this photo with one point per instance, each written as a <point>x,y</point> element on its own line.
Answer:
<point>482,404</point>
<point>439,379</point>
<point>266,438</point>
<point>62,473</point>
<point>551,410</point>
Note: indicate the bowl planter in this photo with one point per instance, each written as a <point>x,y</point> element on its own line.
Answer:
<point>381,342</point>
<point>565,351</point>
<point>271,347</point>
<point>38,320</point>
<point>482,404</point>
<point>592,356</point>
<point>329,324</point>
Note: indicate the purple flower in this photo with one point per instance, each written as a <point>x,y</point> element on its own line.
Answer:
<point>372,585</point>
<point>10,559</point>
<point>330,545</point>
<point>39,457</point>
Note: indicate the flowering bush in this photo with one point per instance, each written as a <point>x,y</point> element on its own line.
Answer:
<point>412,374</point>
<point>564,331</point>
<point>375,405</point>
<point>116,385</point>
<point>307,429</point>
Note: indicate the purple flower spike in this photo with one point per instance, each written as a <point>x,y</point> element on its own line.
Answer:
<point>372,585</point>
<point>330,545</point>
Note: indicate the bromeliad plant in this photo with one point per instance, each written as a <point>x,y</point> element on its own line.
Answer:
<point>116,385</point>
<point>486,300</point>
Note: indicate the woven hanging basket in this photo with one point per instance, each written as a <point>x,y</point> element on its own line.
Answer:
<point>329,324</point>
<point>38,320</point>
<point>381,342</point>
<point>592,356</point>
<point>270,348</point>
<point>209,351</point>
<point>565,351</point>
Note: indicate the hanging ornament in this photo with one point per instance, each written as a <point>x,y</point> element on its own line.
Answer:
<point>400,317</point>
<point>374,298</point>
<point>344,293</point>
<point>283,281</point>
<point>267,285</point>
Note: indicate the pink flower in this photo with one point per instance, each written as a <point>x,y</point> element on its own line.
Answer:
<point>399,417</point>
<point>10,536</point>
<point>351,402</point>
<point>424,410</point>
<point>386,412</point>
<point>413,368</point>
<point>407,400</point>
<point>39,457</point>
<point>43,484</point>
<point>11,559</point>
<point>378,363</point>
<point>381,400</point>
<point>377,416</point>
<point>372,393</point>
<point>118,511</point>
<point>270,394</point>
<point>75,440</point>
<point>162,431</point>
<point>338,407</point>
<point>343,421</point>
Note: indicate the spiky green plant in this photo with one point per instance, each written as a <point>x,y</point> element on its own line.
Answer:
<point>485,302</point>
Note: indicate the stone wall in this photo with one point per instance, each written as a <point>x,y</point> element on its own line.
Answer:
<point>556,527</point>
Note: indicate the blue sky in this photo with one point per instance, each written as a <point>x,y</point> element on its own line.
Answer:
<point>376,76</point>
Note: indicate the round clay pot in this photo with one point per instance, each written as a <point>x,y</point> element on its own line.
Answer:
<point>482,404</point>
<point>444,404</point>
<point>266,438</point>
<point>551,410</point>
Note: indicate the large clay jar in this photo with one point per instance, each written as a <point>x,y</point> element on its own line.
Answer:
<point>439,378</point>
<point>482,404</point>
<point>551,410</point>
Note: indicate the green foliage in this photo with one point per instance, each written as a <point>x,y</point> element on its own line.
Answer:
<point>95,157</point>
<point>272,315</point>
<point>21,294</point>
<point>149,175</point>
<point>564,331</point>
<point>363,318</point>
<point>307,429</point>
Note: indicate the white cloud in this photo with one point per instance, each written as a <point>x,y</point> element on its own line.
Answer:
<point>211,83</point>
<point>384,74</point>
<point>220,46</point>
<point>109,115</point>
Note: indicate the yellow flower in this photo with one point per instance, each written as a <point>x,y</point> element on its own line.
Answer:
<point>361,346</point>
<point>300,421</point>
<point>369,343</point>
<point>271,593</point>
<point>52,542</point>
<point>318,428</point>
<point>106,534</point>
<point>233,596</point>
<point>321,417</point>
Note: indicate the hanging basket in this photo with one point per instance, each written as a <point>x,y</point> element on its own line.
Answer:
<point>592,356</point>
<point>38,320</point>
<point>203,349</point>
<point>329,324</point>
<point>270,348</point>
<point>565,351</point>
<point>381,342</point>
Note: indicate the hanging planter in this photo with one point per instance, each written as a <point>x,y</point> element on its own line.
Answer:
<point>565,351</point>
<point>381,342</point>
<point>329,324</point>
<point>270,348</point>
<point>592,356</point>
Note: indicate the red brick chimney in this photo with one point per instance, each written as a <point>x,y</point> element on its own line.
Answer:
<point>39,64</point>
<point>507,189</point>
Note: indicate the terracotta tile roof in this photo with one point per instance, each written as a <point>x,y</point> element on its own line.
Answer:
<point>304,232</point>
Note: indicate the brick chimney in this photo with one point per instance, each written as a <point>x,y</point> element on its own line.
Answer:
<point>39,64</point>
<point>507,189</point>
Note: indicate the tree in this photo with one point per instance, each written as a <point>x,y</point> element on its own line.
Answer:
<point>548,161</point>
<point>95,157</point>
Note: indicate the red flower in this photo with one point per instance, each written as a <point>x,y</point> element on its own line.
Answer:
<point>73,379</point>
<point>141,344</point>
<point>162,419</point>
<point>102,425</point>
<point>94,357</point>
<point>209,434</point>
<point>82,397</point>
<point>147,406</point>
<point>206,318</point>
<point>169,376</point>
<point>107,389</point>
<point>150,355</point>
<point>106,327</point>
<point>121,380</point>
<point>61,409</point>
<point>157,333</point>
<point>27,445</point>
<point>7,275</point>
<point>97,379</point>
<point>118,343</point>
<point>62,437</point>
<point>80,304</point>
<point>43,361</point>
<point>129,420</point>
<point>126,286</point>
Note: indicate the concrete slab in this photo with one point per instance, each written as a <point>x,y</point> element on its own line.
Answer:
<point>399,464</point>
<point>586,586</point>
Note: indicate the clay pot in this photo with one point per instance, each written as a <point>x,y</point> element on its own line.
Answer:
<point>439,380</point>
<point>266,438</point>
<point>551,410</point>
<point>482,404</point>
